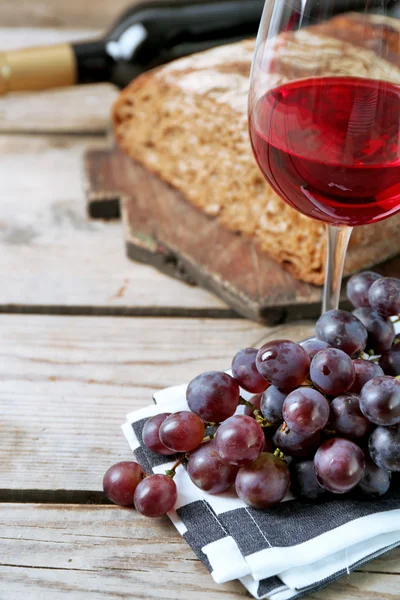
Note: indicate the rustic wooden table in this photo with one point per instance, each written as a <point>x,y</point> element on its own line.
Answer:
<point>86,336</point>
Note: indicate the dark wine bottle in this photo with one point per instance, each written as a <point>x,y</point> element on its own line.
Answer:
<point>146,35</point>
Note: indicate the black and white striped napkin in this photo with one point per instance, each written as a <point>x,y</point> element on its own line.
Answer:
<point>285,552</point>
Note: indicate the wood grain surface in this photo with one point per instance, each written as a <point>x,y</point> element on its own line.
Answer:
<point>72,380</point>
<point>54,259</point>
<point>61,13</point>
<point>51,552</point>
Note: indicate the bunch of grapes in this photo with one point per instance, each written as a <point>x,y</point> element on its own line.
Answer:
<point>324,417</point>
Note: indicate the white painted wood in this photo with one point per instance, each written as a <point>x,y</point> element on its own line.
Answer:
<point>52,255</point>
<point>66,384</point>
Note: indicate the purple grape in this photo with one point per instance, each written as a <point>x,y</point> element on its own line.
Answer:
<point>304,481</point>
<point>390,361</point>
<point>256,402</point>
<point>313,345</point>
<point>358,287</point>
<point>305,411</point>
<point>182,431</point>
<point>375,481</point>
<point>214,396</point>
<point>283,364</point>
<point>339,465</point>
<point>342,330</point>
<point>384,447</point>
<point>244,371</point>
<point>271,405</point>
<point>332,371</point>
<point>295,445</point>
<point>239,440</point>
<point>121,481</point>
<point>380,400</point>
<point>151,437</point>
<point>346,418</point>
<point>380,329</point>
<point>264,482</point>
<point>365,370</point>
<point>208,472</point>
<point>155,496</point>
<point>384,296</point>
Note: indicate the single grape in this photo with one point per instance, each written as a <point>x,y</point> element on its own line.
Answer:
<point>271,405</point>
<point>346,418</point>
<point>358,287</point>
<point>283,364</point>
<point>390,361</point>
<point>245,372</point>
<point>214,396</point>
<point>380,400</point>
<point>264,482</point>
<point>304,481</point>
<point>296,445</point>
<point>339,465</point>
<point>121,481</point>
<point>384,296</point>
<point>256,402</point>
<point>384,447</point>
<point>151,437</point>
<point>155,496</point>
<point>208,472</point>
<point>332,371</point>
<point>375,481</point>
<point>342,330</point>
<point>365,370</point>
<point>305,411</point>
<point>314,345</point>
<point>380,329</point>
<point>182,431</point>
<point>239,440</point>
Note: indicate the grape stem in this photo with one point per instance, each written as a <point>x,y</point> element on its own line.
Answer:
<point>261,420</point>
<point>244,402</point>
<point>172,472</point>
<point>307,383</point>
<point>397,319</point>
<point>207,438</point>
<point>279,454</point>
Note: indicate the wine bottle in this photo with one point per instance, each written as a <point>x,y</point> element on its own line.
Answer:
<point>145,36</point>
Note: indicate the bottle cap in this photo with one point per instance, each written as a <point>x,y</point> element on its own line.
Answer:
<point>37,68</point>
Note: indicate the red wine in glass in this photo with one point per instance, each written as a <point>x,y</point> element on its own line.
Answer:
<point>330,147</point>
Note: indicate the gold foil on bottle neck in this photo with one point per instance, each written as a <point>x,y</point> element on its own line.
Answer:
<point>37,68</point>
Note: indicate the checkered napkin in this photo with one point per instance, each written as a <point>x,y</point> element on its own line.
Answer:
<point>285,552</point>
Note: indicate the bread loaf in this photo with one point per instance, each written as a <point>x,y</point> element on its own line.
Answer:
<point>187,123</point>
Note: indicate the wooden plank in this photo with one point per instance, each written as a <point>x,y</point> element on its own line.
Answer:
<point>66,385</point>
<point>74,13</point>
<point>52,552</point>
<point>77,109</point>
<point>53,258</point>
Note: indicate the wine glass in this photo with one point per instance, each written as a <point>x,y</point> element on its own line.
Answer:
<point>324,115</point>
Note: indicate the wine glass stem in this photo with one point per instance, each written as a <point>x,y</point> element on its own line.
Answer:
<point>337,242</point>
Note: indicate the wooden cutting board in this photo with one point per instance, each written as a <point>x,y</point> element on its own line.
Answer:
<point>162,229</point>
